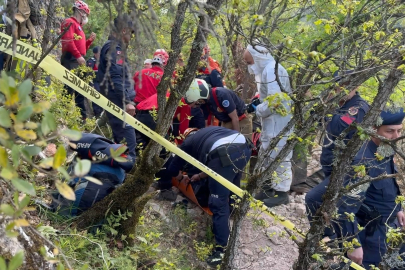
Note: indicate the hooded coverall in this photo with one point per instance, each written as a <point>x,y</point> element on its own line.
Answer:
<point>272,122</point>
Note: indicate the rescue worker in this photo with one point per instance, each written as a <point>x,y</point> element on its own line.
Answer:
<point>223,103</point>
<point>147,64</point>
<point>353,108</point>
<point>147,80</point>
<point>226,152</point>
<point>210,70</point>
<point>262,64</point>
<point>93,64</point>
<point>75,46</point>
<point>107,170</point>
<point>374,204</point>
<point>118,80</point>
<point>144,115</point>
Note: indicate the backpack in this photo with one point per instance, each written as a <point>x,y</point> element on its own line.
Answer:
<point>35,16</point>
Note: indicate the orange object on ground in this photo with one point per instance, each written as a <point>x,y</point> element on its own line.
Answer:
<point>188,191</point>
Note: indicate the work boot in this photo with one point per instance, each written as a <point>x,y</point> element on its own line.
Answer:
<point>265,192</point>
<point>279,198</point>
<point>215,258</point>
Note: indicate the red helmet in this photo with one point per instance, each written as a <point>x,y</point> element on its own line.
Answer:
<point>82,6</point>
<point>161,53</point>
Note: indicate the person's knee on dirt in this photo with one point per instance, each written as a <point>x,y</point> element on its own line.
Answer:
<point>262,64</point>
<point>226,152</point>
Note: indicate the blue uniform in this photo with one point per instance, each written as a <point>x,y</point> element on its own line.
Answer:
<point>120,89</point>
<point>197,120</point>
<point>200,146</point>
<point>378,196</point>
<point>228,102</point>
<point>214,78</point>
<point>352,111</point>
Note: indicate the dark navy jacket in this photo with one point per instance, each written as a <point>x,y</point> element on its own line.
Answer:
<point>119,80</point>
<point>197,120</point>
<point>228,100</point>
<point>353,110</point>
<point>199,145</point>
<point>214,78</point>
<point>379,194</point>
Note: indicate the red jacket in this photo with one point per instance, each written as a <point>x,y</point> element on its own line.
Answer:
<point>183,111</point>
<point>74,40</point>
<point>146,83</point>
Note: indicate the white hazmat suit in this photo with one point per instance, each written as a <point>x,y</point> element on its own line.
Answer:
<point>272,122</point>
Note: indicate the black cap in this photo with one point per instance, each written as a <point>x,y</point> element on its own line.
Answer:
<point>123,21</point>
<point>338,74</point>
<point>96,49</point>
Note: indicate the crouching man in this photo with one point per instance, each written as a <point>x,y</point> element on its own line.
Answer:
<point>104,168</point>
<point>373,204</point>
<point>226,152</point>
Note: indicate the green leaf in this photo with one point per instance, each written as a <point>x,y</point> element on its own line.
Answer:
<point>48,123</point>
<point>3,157</point>
<point>60,267</point>
<point>15,155</point>
<point>120,159</point>
<point>142,239</point>
<point>8,173</point>
<point>65,190</point>
<point>24,89</point>
<point>118,152</point>
<point>94,180</point>
<point>82,167</point>
<point>32,150</point>
<point>71,134</point>
<point>59,157</point>
<point>16,261</point>
<point>24,113</point>
<point>7,210</point>
<point>64,173</point>
<point>24,202</point>
<point>5,120</point>
<point>85,267</point>
<point>3,264</point>
<point>23,186</point>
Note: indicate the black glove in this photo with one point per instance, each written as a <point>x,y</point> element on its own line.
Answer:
<point>252,106</point>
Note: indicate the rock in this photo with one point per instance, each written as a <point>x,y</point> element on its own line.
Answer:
<point>159,210</point>
<point>179,198</point>
<point>176,190</point>
<point>292,205</point>
<point>247,252</point>
<point>300,210</point>
<point>196,211</point>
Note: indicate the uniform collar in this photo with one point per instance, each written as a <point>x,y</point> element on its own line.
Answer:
<point>73,18</point>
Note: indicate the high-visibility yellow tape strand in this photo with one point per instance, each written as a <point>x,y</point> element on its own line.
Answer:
<point>30,54</point>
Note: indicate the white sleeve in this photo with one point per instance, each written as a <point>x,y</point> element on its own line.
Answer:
<point>268,87</point>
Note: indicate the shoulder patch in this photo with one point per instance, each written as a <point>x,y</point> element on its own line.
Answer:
<point>80,28</point>
<point>225,103</point>
<point>353,110</point>
<point>347,118</point>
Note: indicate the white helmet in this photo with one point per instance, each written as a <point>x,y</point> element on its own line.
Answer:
<point>199,89</point>
<point>157,60</point>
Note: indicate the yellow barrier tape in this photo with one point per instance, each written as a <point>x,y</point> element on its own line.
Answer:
<point>32,55</point>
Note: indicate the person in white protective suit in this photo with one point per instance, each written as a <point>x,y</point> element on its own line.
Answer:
<point>262,64</point>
